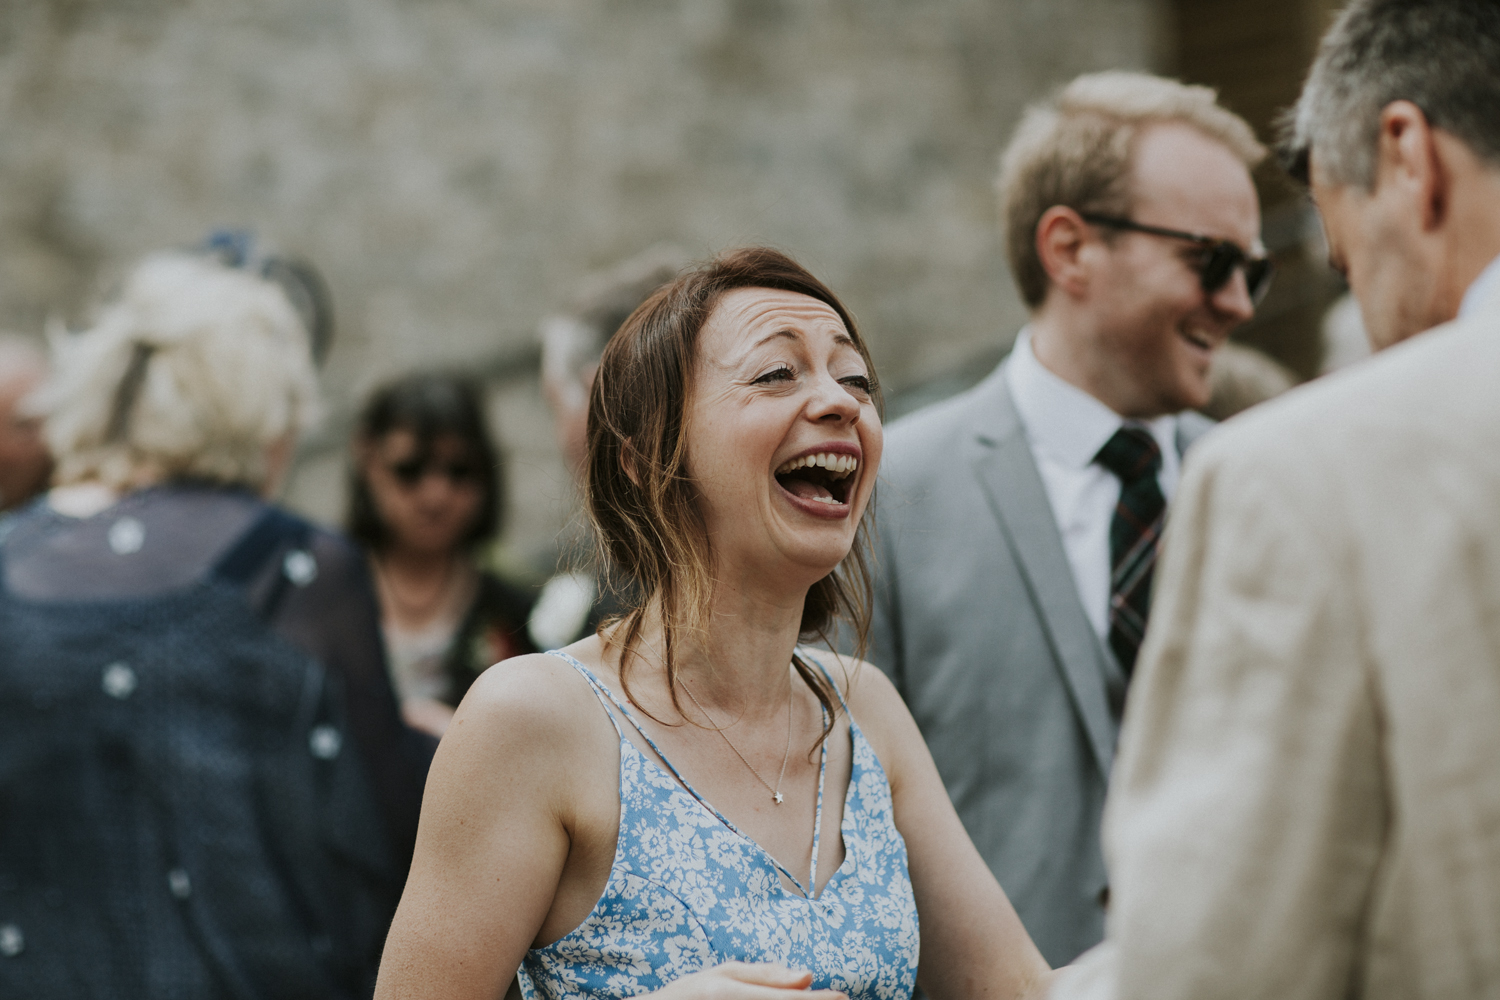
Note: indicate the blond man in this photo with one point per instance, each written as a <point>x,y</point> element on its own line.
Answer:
<point>1018,522</point>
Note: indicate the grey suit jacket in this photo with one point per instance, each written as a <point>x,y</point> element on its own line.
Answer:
<point>978,622</point>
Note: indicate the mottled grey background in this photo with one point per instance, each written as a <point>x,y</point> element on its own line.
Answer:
<point>455,167</point>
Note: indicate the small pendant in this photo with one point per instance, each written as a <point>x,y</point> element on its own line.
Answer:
<point>778,798</point>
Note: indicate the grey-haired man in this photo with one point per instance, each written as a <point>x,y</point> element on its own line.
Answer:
<point>1307,798</point>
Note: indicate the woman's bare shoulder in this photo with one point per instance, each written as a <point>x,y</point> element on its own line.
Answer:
<point>535,694</point>
<point>868,692</point>
<point>532,715</point>
<point>876,705</point>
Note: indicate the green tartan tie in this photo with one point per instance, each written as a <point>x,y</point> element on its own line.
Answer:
<point>1133,455</point>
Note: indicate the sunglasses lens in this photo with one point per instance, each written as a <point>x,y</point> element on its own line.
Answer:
<point>408,473</point>
<point>1218,266</point>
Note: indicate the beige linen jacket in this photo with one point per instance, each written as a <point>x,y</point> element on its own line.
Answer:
<point>1306,801</point>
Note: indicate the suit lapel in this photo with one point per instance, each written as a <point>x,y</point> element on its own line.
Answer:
<point>1007,472</point>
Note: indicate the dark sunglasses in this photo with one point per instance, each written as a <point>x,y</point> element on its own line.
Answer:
<point>411,472</point>
<point>1220,257</point>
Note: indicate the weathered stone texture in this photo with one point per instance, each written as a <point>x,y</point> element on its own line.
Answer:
<point>454,166</point>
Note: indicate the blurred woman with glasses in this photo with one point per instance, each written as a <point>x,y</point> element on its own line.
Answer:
<point>427,493</point>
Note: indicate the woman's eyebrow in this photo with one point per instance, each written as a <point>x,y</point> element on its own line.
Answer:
<point>842,339</point>
<point>789,334</point>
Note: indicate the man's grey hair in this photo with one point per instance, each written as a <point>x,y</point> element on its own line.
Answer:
<point>1442,55</point>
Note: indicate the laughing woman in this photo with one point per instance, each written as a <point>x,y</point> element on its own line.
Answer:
<point>690,803</point>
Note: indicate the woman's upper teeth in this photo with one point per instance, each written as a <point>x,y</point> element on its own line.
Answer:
<point>839,465</point>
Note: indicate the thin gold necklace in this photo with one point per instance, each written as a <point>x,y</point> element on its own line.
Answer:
<point>775,792</point>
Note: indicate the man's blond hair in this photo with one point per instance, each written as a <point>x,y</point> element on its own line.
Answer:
<point>1075,150</point>
<point>194,371</point>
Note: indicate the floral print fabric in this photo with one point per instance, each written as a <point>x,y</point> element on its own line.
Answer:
<point>688,891</point>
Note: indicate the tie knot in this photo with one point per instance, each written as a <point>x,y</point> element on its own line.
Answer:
<point>1131,454</point>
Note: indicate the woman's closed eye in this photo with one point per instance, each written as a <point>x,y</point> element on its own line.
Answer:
<point>862,383</point>
<point>780,374</point>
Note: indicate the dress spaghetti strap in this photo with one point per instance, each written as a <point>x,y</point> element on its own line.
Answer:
<point>600,691</point>
<point>818,821</point>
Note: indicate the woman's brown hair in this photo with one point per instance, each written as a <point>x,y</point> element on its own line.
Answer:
<point>644,504</point>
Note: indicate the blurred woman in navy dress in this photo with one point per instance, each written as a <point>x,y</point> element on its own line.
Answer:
<point>206,789</point>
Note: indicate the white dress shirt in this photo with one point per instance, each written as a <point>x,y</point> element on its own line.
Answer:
<point>1484,286</point>
<point>1065,428</point>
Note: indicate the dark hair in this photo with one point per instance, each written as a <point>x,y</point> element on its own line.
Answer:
<point>431,406</point>
<point>648,523</point>
<point>1442,55</point>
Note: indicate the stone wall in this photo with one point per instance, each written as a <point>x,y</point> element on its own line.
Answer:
<point>455,166</point>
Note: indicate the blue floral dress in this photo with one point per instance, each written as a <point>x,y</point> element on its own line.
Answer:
<point>687,891</point>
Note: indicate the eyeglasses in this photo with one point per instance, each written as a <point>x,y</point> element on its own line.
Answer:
<point>413,470</point>
<point>1220,257</point>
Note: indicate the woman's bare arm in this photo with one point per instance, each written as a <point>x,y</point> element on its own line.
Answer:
<point>495,833</point>
<point>973,944</point>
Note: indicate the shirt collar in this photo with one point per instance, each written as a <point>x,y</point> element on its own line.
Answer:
<point>1485,287</point>
<point>1061,419</point>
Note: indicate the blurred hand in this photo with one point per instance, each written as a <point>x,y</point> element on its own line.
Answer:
<point>743,981</point>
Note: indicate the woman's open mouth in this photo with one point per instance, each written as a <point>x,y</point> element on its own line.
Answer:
<point>822,478</point>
